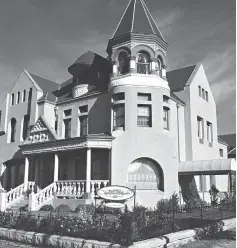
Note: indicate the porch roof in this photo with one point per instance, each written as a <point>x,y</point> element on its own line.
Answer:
<point>88,141</point>
<point>207,167</point>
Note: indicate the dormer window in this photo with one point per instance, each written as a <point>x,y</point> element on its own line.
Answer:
<point>142,61</point>
<point>123,62</point>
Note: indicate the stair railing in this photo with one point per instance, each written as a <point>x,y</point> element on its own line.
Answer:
<point>18,193</point>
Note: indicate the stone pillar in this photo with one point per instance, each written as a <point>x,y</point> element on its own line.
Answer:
<point>88,170</point>
<point>2,200</point>
<point>132,67</point>
<point>26,172</point>
<point>56,167</point>
<point>163,72</point>
<point>115,69</point>
<point>2,175</point>
<point>153,66</point>
<point>31,206</point>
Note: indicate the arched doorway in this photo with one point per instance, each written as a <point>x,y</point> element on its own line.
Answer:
<point>145,173</point>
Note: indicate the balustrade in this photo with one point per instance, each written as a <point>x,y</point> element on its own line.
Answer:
<point>98,184</point>
<point>18,192</point>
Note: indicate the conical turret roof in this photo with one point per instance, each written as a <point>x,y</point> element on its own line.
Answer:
<point>137,19</point>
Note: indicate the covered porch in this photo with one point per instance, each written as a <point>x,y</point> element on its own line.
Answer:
<point>69,169</point>
<point>218,172</point>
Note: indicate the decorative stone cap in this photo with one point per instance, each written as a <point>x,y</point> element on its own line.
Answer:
<point>79,90</point>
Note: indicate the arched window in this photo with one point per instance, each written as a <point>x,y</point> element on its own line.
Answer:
<point>24,96</point>
<point>159,66</point>
<point>26,126</point>
<point>145,173</point>
<point>142,61</point>
<point>18,97</point>
<point>123,60</point>
<point>30,95</point>
<point>12,99</point>
<point>13,129</point>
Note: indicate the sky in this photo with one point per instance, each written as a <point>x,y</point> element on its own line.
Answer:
<point>45,37</point>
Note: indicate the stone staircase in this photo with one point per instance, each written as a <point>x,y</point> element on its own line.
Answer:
<point>16,207</point>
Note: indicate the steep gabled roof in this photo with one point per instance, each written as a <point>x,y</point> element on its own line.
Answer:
<point>230,139</point>
<point>47,87</point>
<point>137,19</point>
<point>177,79</point>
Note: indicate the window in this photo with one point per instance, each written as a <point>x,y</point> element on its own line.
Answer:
<point>30,95</point>
<point>13,130</point>
<point>200,91</point>
<point>67,126</point>
<point>144,96</point>
<point>142,63</point>
<point>221,153</point>
<point>12,99</point>
<point>143,115</point>
<point>166,99</point>
<point>166,118</point>
<point>56,126</point>
<point>200,128</point>
<point>24,96</point>
<point>83,109</point>
<point>67,112</point>
<point>159,66</point>
<point>118,97</point>
<point>26,126</point>
<point>206,96</point>
<point>203,94</point>
<point>119,115</point>
<point>83,125</point>
<point>0,117</point>
<point>209,132</point>
<point>18,97</point>
<point>123,61</point>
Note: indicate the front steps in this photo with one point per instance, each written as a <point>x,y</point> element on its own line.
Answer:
<point>16,207</point>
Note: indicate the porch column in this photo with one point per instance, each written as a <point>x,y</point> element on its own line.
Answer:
<point>36,175</point>
<point>26,172</point>
<point>88,170</point>
<point>56,164</point>
<point>2,175</point>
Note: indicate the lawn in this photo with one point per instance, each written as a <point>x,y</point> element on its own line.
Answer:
<point>222,239</point>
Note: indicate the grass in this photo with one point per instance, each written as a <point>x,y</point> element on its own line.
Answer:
<point>222,239</point>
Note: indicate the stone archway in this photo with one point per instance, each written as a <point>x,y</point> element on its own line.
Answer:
<point>145,173</point>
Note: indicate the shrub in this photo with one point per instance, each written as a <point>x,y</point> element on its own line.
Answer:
<point>214,195</point>
<point>168,205</point>
<point>63,209</point>
<point>229,202</point>
<point>209,230</point>
<point>47,207</point>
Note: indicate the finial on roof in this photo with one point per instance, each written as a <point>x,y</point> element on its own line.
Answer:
<point>137,19</point>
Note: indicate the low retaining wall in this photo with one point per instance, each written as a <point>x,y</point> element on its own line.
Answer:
<point>169,240</point>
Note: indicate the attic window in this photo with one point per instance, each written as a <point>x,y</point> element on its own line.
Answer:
<point>67,112</point>
<point>83,109</point>
<point>118,96</point>
<point>166,99</point>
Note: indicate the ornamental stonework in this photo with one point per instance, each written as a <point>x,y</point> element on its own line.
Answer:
<point>39,133</point>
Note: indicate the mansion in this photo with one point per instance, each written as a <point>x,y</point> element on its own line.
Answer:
<point>121,120</point>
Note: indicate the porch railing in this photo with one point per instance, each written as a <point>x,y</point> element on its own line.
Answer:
<point>18,193</point>
<point>70,189</point>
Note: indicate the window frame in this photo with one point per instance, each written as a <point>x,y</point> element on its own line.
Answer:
<point>200,128</point>
<point>67,128</point>
<point>221,152</point>
<point>13,130</point>
<point>145,118</point>
<point>145,65</point>
<point>83,126</point>
<point>121,116</point>
<point>142,96</point>
<point>166,118</point>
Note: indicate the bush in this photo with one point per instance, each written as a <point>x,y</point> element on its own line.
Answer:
<point>168,205</point>
<point>47,207</point>
<point>229,202</point>
<point>63,209</point>
<point>214,195</point>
